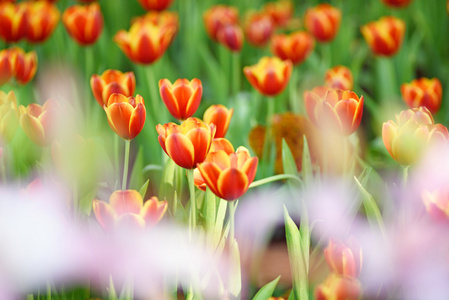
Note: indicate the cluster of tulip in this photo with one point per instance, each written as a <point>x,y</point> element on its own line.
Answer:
<point>15,63</point>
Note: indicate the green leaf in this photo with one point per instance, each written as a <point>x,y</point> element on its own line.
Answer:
<point>85,204</point>
<point>307,172</point>
<point>136,179</point>
<point>210,207</point>
<point>143,189</point>
<point>288,161</point>
<point>267,290</point>
<point>235,276</point>
<point>166,189</point>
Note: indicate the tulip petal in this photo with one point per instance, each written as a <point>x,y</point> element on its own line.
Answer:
<point>232,184</point>
<point>201,139</point>
<point>193,102</point>
<point>104,213</point>
<point>345,110</point>
<point>137,120</point>
<point>124,202</point>
<point>153,211</point>
<point>131,221</point>
<point>119,115</point>
<point>181,150</point>
<point>33,129</point>
<point>250,168</point>
<point>210,173</point>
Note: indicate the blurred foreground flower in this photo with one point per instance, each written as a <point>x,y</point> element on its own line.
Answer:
<point>181,98</point>
<point>296,46</point>
<point>323,22</point>
<point>127,208</point>
<point>110,82</point>
<point>384,36</point>
<point>270,75</point>
<point>220,116</point>
<point>332,110</point>
<point>339,78</point>
<point>13,21</point>
<point>84,23</point>
<point>126,115</point>
<point>412,133</point>
<point>186,144</point>
<point>229,175</point>
<point>280,11</point>
<point>344,258</point>
<point>258,28</point>
<point>38,121</point>
<point>155,4</point>
<point>148,37</point>
<point>423,92</point>
<point>437,204</point>
<point>397,3</point>
<point>42,19</point>
<point>9,117</point>
<point>218,16</point>
<point>338,287</point>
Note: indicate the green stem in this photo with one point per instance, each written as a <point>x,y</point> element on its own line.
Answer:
<point>231,205</point>
<point>89,67</point>
<point>386,82</point>
<point>267,142</point>
<point>236,73</point>
<point>274,178</point>
<point>211,205</point>
<point>404,175</point>
<point>125,165</point>
<point>294,102</point>
<point>154,95</point>
<point>192,201</point>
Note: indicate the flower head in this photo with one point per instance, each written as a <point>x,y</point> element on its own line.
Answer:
<point>344,258</point>
<point>437,204</point>
<point>182,98</point>
<point>339,77</point>
<point>281,12</point>
<point>24,64</point>
<point>13,21</point>
<point>220,116</point>
<point>84,23</point>
<point>384,36</point>
<point>231,36</point>
<point>258,28</point>
<point>423,92</point>
<point>397,3</point>
<point>296,46</point>
<point>110,82</point>
<point>337,287</point>
<point>216,17</point>
<point>323,22</point>
<point>42,18</point>
<point>155,4</point>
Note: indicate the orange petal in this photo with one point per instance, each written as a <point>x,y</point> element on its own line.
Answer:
<point>137,120</point>
<point>153,211</point>
<point>181,150</point>
<point>201,141</point>
<point>232,184</point>
<point>124,202</point>
<point>104,213</point>
<point>119,115</point>
<point>131,221</point>
<point>210,173</point>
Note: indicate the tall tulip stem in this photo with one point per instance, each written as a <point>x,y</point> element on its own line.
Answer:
<point>192,201</point>
<point>125,165</point>
<point>267,143</point>
<point>154,96</point>
<point>293,93</point>
<point>404,175</point>
<point>236,69</point>
<point>231,205</point>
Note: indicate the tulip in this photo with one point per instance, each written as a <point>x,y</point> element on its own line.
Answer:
<point>84,23</point>
<point>270,75</point>
<point>337,287</point>
<point>217,145</point>
<point>220,116</point>
<point>258,28</point>
<point>423,92</point>
<point>228,176</point>
<point>437,204</point>
<point>127,207</point>
<point>9,116</point>
<point>384,36</point>
<point>296,46</point>
<point>13,21</point>
<point>148,38</point>
<point>414,131</point>
<point>323,21</point>
<point>24,64</point>
<point>344,259</point>
<point>42,20</point>
<point>182,98</point>
<point>155,4</point>
<point>339,77</point>
<point>36,122</point>
<point>186,144</point>
<point>6,67</point>
<point>281,12</point>
<point>231,36</point>
<point>126,115</point>
<point>110,82</point>
<point>218,16</point>
<point>335,110</point>
<point>397,3</point>
<point>164,19</point>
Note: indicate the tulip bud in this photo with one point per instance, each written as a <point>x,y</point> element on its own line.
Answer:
<point>340,78</point>
<point>258,28</point>
<point>216,17</point>
<point>42,20</point>
<point>231,36</point>
<point>181,98</point>
<point>323,22</point>
<point>384,36</point>
<point>344,259</point>
<point>296,46</point>
<point>13,21</point>
<point>423,92</point>
<point>337,287</point>
<point>220,116</point>
<point>24,64</point>
<point>155,4</point>
<point>397,3</point>
<point>110,82</point>
<point>84,23</point>
<point>281,12</point>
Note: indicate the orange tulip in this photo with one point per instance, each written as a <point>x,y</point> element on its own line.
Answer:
<point>408,137</point>
<point>155,4</point>
<point>148,37</point>
<point>397,3</point>
<point>323,21</point>
<point>186,144</point>
<point>36,122</point>
<point>6,67</point>
<point>423,92</point>
<point>296,46</point>
<point>182,98</point>
<point>84,23</point>
<point>9,116</point>
<point>220,116</point>
<point>344,259</point>
<point>231,36</point>
<point>228,176</point>
<point>281,12</point>
<point>110,82</point>
<point>217,145</point>
<point>258,28</point>
<point>127,208</point>
<point>126,115</point>
<point>13,21</point>
<point>339,77</point>
<point>24,64</point>
<point>42,19</point>
<point>337,287</point>
<point>270,75</point>
<point>218,16</point>
<point>437,204</point>
<point>384,36</point>
<point>335,110</point>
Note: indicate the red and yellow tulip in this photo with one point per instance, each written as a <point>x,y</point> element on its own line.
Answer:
<point>332,110</point>
<point>84,23</point>
<point>423,92</point>
<point>42,18</point>
<point>344,259</point>
<point>110,82</point>
<point>126,208</point>
<point>338,287</point>
<point>126,115</point>
<point>384,36</point>
<point>323,22</point>
<point>182,98</point>
<point>218,16</point>
<point>270,75</point>
<point>231,36</point>
<point>13,21</point>
<point>219,115</point>
<point>6,67</point>
<point>296,46</point>
<point>24,64</point>
<point>155,4</point>
<point>258,28</point>
<point>281,12</point>
<point>339,77</point>
<point>397,3</point>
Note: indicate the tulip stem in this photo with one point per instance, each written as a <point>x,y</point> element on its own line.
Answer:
<point>267,143</point>
<point>192,201</point>
<point>125,165</point>
<point>236,75</point>
<point>293,92</point>
<point>404,176</point>
<point>154,98</point>
<point>231,220</point>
